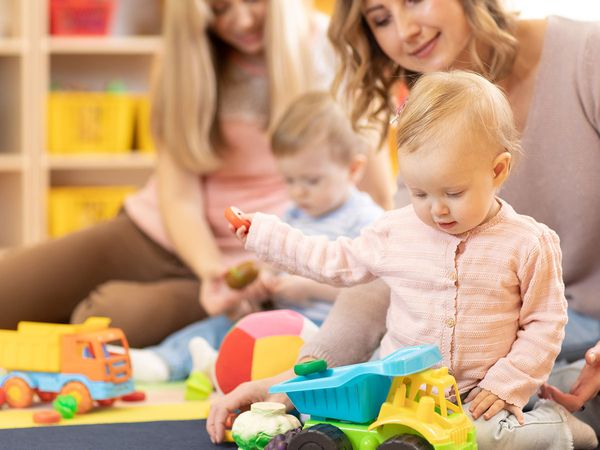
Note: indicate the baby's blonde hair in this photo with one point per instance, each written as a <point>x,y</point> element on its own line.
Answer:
<point>454,102</point>
<point>316,118</point>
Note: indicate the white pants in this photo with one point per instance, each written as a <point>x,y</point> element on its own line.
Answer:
<point>544,429</point>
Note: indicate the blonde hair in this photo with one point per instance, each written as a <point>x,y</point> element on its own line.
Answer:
<point>366,73</point>
<point>184,89</point>
<point>456,101</point>
<point>316,118</point>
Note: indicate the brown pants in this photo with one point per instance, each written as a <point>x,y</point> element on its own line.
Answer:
<point>111,269</point>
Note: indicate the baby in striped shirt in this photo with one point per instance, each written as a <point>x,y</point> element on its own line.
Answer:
<point>466,272</point>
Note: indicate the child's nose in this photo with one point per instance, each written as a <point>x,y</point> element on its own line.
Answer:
<point>438,208</point>
<point>297,191</point>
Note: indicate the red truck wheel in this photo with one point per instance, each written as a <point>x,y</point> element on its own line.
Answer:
<point>46,397</point>
<point>18,393</point>
<point>81,394</point>
<point>406,442</point>
<point>107,402</point>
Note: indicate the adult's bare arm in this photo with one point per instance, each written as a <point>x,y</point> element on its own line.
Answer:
<point>354,327</point>
<point>181,202</point>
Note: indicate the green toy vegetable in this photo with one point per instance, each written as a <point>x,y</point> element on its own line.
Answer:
<point>66,405</point>
<point>240,276</point>
<point>254,429</point>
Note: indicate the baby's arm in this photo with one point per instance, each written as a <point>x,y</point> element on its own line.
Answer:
<point>515,377</point>
<point>343,262</point>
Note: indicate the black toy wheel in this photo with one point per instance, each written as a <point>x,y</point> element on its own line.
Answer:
<point>320,437</point>
<point>405,442</point>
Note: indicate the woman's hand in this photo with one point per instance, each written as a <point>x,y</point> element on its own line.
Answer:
<point>240,399</point>
<point>485,403</point>
<point>586,386</point>
<point>218,298</point>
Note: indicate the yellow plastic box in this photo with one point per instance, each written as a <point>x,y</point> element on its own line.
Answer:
<point>73,208</point>
<point>143,136</point>
<point>90,122</point>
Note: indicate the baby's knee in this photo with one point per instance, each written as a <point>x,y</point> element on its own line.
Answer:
<point>493,433</point>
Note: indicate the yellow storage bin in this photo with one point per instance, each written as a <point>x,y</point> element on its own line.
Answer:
<point>143,136</point>
<point>73,208</point>
<point>90,122</point>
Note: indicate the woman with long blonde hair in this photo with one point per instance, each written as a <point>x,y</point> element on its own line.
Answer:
<point>227,70</point>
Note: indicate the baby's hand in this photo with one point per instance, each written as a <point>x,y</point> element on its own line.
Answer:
<point>487,404</point>
<point>239,222</point>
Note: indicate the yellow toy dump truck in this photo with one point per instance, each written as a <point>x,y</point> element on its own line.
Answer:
<point>50,359</point>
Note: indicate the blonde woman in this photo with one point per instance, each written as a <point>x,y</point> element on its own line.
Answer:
<point>227,71</point>
<point>549,70</point>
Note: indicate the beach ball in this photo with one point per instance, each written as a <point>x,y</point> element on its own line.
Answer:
<point>259,346</point>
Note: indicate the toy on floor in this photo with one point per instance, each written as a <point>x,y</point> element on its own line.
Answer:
<point>260,345</point>
<point>254,429</point>
<point>50,359</point>
<point>397,402</point>
<point>240,276</point>
<point>134,397</point>
<point>65,405</point>
<point>46,417</point>
<point>198,386</point>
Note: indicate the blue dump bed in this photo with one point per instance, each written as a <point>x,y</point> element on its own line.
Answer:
<point>355,393</point>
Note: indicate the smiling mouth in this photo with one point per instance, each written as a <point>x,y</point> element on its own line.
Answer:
<point>424,50</point>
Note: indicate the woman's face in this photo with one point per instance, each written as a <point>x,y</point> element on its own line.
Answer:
<point>421,35</point>
<point>240,24</point>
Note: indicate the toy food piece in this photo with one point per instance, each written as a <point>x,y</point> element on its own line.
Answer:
<point>135,396</point>
<point>234,216</point>
<point>309,367</point>
<point>320,436</point>
<point>228,424</point>
<point>46,417</point>
<point>66,405</point>
<point>198,386</point>
<point>281,441</point>
<point>2,396</point>
<point>254,429</point>
<point>242,275</point>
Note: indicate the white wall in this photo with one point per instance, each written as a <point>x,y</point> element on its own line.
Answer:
<point>576,9</point>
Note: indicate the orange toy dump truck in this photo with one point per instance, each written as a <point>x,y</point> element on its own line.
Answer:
<point>89,361</point>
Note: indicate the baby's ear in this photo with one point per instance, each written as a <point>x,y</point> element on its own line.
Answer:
<point>501,168</point>
<point>357,168</point>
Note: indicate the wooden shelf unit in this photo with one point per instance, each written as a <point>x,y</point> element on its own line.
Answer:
<point>32,60</point>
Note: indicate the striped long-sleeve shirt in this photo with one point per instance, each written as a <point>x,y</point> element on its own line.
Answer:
<point>492,299</point>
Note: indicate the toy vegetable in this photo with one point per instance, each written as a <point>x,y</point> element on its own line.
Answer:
<point>240,276</point>
<point>252,430</point>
